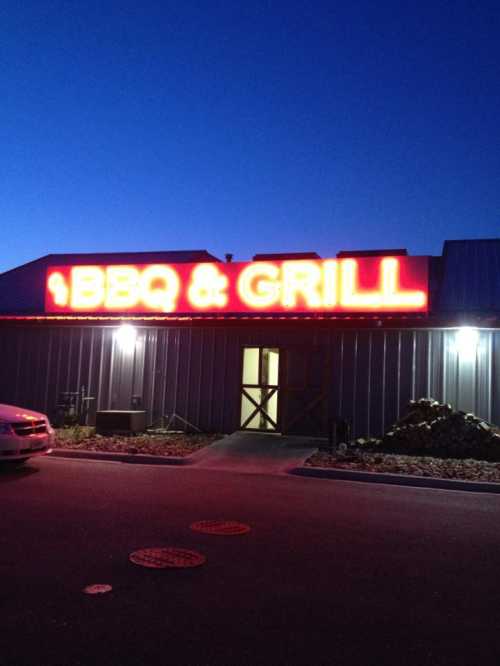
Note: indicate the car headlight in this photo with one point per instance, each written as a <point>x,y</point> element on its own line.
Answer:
<point>5,429</point>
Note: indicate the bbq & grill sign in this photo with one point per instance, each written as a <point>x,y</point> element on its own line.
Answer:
<point>362,284</point>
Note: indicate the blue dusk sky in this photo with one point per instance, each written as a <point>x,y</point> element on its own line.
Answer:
<point>247,127</point>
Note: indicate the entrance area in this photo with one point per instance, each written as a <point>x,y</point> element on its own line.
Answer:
<point>259,389</point>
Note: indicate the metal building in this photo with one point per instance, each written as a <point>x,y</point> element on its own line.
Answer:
<point>284,368</point>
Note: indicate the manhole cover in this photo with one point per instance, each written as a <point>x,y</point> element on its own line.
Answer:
<point>167,558</point>
<point>98,588</point>
<point>222,527</point>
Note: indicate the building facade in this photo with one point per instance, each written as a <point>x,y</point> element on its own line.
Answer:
<point>285,343</point>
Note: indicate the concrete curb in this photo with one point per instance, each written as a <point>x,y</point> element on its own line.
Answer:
<point>132,458</point>
<point>397,479</point>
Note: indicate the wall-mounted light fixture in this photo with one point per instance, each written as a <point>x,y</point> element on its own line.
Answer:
<point>467,343</point>
<point>125,338</point>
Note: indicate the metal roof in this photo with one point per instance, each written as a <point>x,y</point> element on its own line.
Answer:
<point>465,280</point>
<point>22,289</point>
<point>470,277</point>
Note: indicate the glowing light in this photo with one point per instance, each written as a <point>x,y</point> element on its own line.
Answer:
<point>208,287</point>
<point>330,278</point>
<point>87,287</point>
<point>392,295</point>
<point>57,286</point>
<point>350,297</point>
<point>126,337</point>
<point>388,296</point>
<point>301,278</point>
<point>122,287</point>
<point>467,343</point>
<point>319,286</point>
<point>258,285</point>
<point>159,287</point>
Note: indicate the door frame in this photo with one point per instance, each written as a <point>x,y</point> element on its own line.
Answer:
<point>274,389</point>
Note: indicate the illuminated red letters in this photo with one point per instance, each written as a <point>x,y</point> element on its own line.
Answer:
<point>381,284</point>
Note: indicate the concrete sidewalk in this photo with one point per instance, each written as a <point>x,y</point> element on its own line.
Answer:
<point>255,453</point>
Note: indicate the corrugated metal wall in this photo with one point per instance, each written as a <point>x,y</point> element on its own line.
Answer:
<point>367,375</point>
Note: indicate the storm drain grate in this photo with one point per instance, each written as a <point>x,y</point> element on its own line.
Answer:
<point>222,527</point>
<point>98,588</point>
<point>167,558</point>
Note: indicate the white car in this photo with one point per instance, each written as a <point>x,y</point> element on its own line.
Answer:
<point>23,434</point>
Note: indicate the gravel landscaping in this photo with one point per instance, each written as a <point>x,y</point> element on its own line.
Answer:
<point>83,438</point>
<point>450,468</point>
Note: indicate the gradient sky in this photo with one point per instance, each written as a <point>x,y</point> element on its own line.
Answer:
<point>247,127</point>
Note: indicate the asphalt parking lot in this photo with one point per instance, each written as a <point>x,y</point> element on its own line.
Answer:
<point>332,572</point>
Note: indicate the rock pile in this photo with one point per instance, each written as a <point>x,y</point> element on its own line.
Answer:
<point>433,428</point>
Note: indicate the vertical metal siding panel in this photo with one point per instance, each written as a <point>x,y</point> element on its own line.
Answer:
<point>24,388</point>
<point>199,375</point>
<point>83,338</point>
<point>196,371</point>
<point>467,372</point>
<point>96,366</point>
<point>336,344</point>
<point>212,366</point>
<point>196,340</point>
<point>189,364</point>
<point>55,366</point>
<point>429,366</point>
<point>362,389</point>
<point>100,401</point>
<point>113,372</point>
<point>349,378</point>
<point>32,371</point>
<point>398,384</point>
<point>218,390</point>
<point>421,364</point>
<point>6,355</point>
<point>377,389</point>
<point>149,382</point>
<point>436,356</point>
<point>139,363</point>
<point>163,343</point>
<point>67,358</point>
<point>391,383</point>
<point>147,374</point>
<point>481,378</point>
<point>489,376</point>
<point>223,382</point>
<point>354,388</point>
<point>178,348</point>
<point>17,391</point>
<point>27,365</point>
<point>414,365</point>
<point>207,379</point>
<point>340,375</point>
<point>233,381</point>
<point>369,380</point>
<point>41,356</point>
<point>106,367</point>
<point>450,366</point>
<point>182,375</point>
<point>495,378</point>
<point>46,408</point>
<point>383,381</point>
<point>172,356</point>
<point>89,361</point>
<point>406,369</point>
<point>44,370</point>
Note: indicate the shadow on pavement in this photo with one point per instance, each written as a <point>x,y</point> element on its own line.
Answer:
<point>9,471</point>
